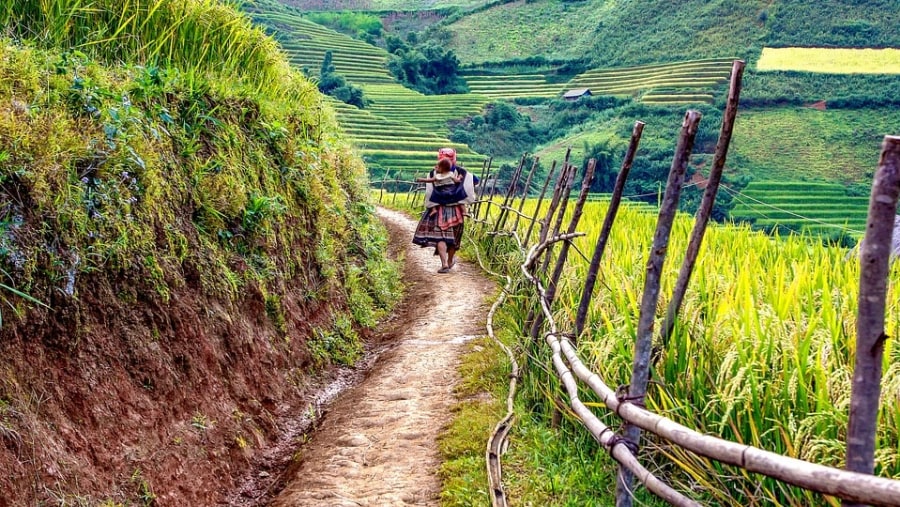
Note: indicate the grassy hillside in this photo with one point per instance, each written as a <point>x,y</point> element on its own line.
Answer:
<point>400,129</point>
<point>609,33</point>
<point>383,5</point>
<point>197,232</point>
<point>808,144</point>
<point>616,33</point>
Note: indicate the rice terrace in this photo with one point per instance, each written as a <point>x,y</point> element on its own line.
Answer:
<point>676,281</point>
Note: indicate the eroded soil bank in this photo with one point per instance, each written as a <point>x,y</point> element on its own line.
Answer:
<point>377,443</point>
<point>98,410</point>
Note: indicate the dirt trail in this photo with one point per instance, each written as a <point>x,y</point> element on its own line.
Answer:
<point>377,444</point>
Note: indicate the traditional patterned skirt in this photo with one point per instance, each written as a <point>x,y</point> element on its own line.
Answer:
<point>440,223</point>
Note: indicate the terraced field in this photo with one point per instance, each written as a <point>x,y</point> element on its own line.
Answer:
<point>688,82</point>
<point>691,81</point>
<point>306,42</point>
<point>402,129</point>
<point>511,86</point>
<point>801,206</point>
<point>428,112</point>
<point>397,148</point>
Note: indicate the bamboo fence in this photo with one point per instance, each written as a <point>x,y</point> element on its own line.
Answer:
<point>855,485</point>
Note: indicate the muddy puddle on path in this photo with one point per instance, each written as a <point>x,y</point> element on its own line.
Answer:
<point>376,444</point>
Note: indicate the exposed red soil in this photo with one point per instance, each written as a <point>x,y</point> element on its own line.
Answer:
<point>126,398</point>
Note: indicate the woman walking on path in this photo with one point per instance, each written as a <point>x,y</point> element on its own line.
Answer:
<point>448,188</point>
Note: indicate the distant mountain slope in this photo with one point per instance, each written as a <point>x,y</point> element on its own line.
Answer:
<point>382,5</point>
<point>609,33</point>
<point>617,33</point>
<point>401,129</point>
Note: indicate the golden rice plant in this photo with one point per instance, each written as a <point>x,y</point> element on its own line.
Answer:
<point>762,353</point>
<point>832,60</point>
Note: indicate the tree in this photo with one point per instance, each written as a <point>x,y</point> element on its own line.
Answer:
<point>333,84</point>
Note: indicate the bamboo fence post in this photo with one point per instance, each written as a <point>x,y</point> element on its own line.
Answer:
<point>537,209</point>
<point>504,209</point>
<point>534,166</point>
<point>560,212</point>
<point>874,267</point>
<point>706,205</point>
<point>855,486</point>
<point>381,193</point>
<point>482,182</point>
<point>394,193</point>
<point>550,294</point>
<point>604,434</point>
<point>619,188</point>
<point>545,224</point>
<point>640,373</point>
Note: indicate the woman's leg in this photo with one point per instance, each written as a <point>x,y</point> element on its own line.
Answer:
<point>451,252</point>
<point>442,253</point>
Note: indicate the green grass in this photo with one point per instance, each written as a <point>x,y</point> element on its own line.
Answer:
<point>807,144</point>
<point>480,405</point>
<point>112,153</point>
<point>609,33</point>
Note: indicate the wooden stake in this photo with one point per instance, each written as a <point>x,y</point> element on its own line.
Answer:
<point>706,205</point>
<point>640,373</point>
<point>504,209</point>
<point>564,251</point>
<point>537,209</point>
<point>561,212</point>
<point>535,319</point>
<point>545,227</point>
<point>534,166</point>
<point>490,201</point>
<point>874,261</point>
<point>482,182</point>
<point>594,268</point>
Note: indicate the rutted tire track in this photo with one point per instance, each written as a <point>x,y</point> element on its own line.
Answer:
<point>377,444</point>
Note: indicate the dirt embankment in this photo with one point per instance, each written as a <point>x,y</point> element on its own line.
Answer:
<point>126,398</point>
<point>123,397</point>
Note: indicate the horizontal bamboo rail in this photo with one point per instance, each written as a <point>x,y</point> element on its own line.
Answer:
<point>614,444</point>
<point>820,478</point>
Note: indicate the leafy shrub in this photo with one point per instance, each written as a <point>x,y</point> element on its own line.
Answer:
<point>355,24</point>
<point>427,68</point>
<point>334,84</point>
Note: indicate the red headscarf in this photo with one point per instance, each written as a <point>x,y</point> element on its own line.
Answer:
<point>448,153</point>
